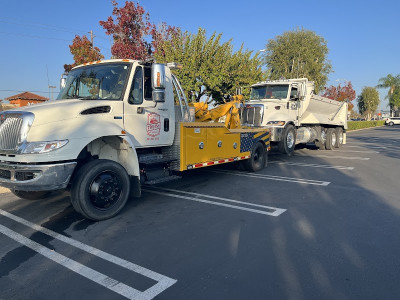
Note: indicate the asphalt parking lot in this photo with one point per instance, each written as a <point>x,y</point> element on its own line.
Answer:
<point>317,225</point>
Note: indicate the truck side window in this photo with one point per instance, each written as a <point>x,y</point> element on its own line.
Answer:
<point>293,93</point>
<point>136,94</point>
<point>147,84</point>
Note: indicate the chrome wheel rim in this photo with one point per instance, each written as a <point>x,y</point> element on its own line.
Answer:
<point>290,139</point>
<point>333,138</point>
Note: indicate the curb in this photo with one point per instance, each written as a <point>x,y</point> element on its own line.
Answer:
<point>364,128</point>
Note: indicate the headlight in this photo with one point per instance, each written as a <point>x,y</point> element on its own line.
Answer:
<point>279,123</point>
<point>43,147</point>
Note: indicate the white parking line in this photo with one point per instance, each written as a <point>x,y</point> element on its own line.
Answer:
<point>342,157</point>
<point>275,211</point>
<point>310,165</point>
<point>272,177</point>
<point>359,151</point>
<point>365,146</point>
<point>108,282</point>
<point>163,282</point>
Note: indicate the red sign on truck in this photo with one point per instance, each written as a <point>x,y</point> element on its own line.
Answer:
<point>153,124</point>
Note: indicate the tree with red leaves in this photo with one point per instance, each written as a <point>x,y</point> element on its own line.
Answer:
<point>83,52</point>
<point>129,27</point>
<point>164,34</point>
<point>341,93</point>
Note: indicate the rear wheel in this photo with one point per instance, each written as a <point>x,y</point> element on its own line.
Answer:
<point>31,195</point>
<point>100,189</point>
<point>258,158</point>
<point>339,137</point>
<point>288,142</point>
<point>320,143</point>
<point>330,139</point>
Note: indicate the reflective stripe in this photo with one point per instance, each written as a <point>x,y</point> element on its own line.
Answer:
<point>221,161</point>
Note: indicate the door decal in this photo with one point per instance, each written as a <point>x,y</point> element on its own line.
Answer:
<point>153,125</point>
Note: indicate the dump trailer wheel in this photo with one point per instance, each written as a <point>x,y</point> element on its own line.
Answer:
<point>320,143</point>
<point>330,139</point>
<point>288,142</point>
<point>31,195</point>
<point>100,189</point>
<point>339,137</point>
<point>258,158</point>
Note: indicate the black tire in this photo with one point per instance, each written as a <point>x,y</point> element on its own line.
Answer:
<point>258,158</point>
<point>31,195</point>
<point>100,189</point>
<point>320,143</point>
<point>288,142</point>
<point>331,139</point>
<point>339,137</point>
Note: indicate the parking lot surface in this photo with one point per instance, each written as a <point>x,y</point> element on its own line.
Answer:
<point>317,225</point>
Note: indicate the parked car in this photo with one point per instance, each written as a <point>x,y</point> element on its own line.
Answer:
<point>392,121</point>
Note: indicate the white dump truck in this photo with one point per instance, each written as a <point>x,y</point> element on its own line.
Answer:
<point>295,115</point>
<point>117,124</point>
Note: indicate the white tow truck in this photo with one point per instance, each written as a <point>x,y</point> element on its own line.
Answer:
<point>295,115</point>
<point>117,124</point>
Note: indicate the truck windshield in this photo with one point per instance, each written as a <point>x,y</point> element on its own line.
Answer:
<point>96,82</point>
<point>276,91</point>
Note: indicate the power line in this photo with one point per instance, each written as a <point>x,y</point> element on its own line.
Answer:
<point>50,27</point>
<point>34,36</point>
<point>29,91</point>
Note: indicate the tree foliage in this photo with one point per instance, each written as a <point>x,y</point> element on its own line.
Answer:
<point>368,101</point>
<point>82,51</point>
<point>341,93</point>
<point>298,53</point>
<point>392,83</point>
<point>210,67</point>
<point>129,28</point>
<point>394,100</point>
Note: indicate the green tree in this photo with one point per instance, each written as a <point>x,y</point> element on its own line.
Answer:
<point>391,82</point>
<point>298,53</point>
<point>210,67</point>
<point>394,100</point>
<point>368,101</point>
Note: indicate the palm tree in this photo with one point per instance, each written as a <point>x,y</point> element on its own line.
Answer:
<point>391,82</point>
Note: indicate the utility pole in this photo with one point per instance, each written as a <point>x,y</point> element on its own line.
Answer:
<point>52,87</point>
<point>91,38</point>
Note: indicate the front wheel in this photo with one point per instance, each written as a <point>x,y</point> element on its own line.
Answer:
<point>288,141</point>
<point>100,189</point>
<point>258,158</point>
<point>391,123</point>
<point>31,195</point>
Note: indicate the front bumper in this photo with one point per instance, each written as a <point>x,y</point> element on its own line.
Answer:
<point>36,177</point>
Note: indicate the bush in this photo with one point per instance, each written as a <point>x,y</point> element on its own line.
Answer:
<point>353,125</point>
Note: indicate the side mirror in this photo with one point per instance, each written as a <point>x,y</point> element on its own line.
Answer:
<point>294,97</point>
<point>158,82</point>
<point>158,76</point>
<point>63,82</point>
<point>158,96</point>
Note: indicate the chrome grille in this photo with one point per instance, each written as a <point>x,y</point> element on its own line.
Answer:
<point>252,115</point>
<point>10,131</point>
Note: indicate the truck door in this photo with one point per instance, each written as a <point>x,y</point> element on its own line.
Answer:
<point>294,104</point>
<point>146,123</point>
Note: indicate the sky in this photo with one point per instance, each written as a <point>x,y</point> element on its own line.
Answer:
<point>362,36</point>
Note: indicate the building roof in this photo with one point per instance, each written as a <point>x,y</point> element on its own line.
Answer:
<point>27,96</point>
